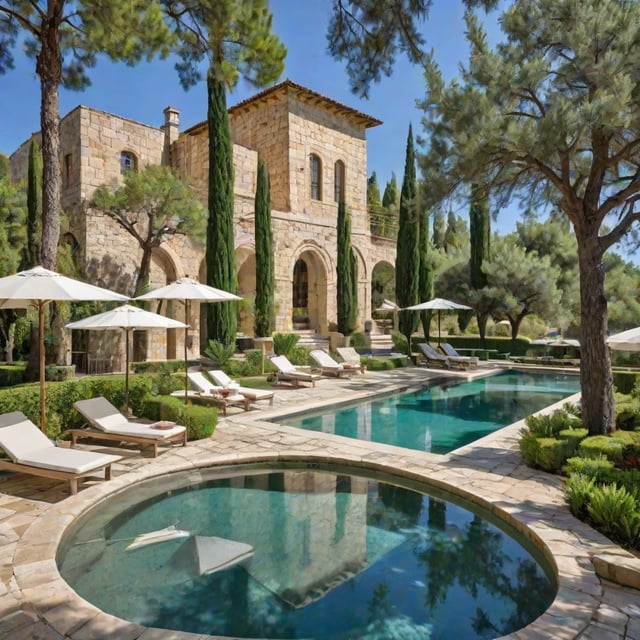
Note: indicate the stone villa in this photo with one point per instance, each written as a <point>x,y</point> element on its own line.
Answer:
<point>315,150</point>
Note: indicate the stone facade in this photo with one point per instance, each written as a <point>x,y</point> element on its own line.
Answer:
<point>285,125</point>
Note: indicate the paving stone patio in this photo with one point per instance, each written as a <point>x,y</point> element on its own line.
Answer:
<point>35,603</point>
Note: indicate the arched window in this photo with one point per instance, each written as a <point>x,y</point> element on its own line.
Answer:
<point>300,287</point>
<point>338,182</point>
<point>315,167</point>
<point>128,162</point>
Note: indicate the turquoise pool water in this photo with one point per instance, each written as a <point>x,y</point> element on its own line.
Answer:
<point>444,417</point>
<point>331,556</point>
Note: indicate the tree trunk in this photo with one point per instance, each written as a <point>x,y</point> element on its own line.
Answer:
<point>595,363</point>
<point>49,69</point>
<point>140,337</point>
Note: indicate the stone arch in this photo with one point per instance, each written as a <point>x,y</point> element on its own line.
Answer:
<point>364,294</point>
<point>312,264</point>
<point>245,255</point>
<point>383,286</point>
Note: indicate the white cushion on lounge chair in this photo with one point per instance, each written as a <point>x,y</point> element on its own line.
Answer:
<point>221,378</point>
<point>325,360</point>
<point>27,445</point>
<point>200,382</point>
<point>102,415</point>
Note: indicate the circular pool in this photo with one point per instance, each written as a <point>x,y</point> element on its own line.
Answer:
<point>330,553</point>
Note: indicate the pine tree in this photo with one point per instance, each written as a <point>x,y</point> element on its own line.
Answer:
<point>346,288</point>
<point>220,249</point>
<point>265,285</point>
<point>65,39</point>
<point>407,255</point>
<point>439,227</point>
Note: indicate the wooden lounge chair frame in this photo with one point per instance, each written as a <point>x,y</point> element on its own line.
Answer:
<point>286,372</point>
<point>72,477</point>
<point>209,392</point>
<point>351,359</point>
<point>93,432</point>
<point>449,351</point>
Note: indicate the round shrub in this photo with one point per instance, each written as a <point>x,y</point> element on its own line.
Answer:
<point>572,437</point>
<point>199,420</point>
<point>551,454</point>
<point>596,468</point>
<point>601,446</point>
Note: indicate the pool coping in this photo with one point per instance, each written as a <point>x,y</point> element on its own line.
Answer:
<point>484,473</point>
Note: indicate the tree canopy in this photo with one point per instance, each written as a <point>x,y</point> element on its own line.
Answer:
<point>552,114</point>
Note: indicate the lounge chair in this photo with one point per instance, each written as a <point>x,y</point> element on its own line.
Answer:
<point>254,395</point>
<point>450,352</point>
<point>209,392</point>
<point>351,358</point>
<point>286,372</point>
<point>431,357</point>
<point>30,451</point>
<point>105,422</point>
<point>327,365</point>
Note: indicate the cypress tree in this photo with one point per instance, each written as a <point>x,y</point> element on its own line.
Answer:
<point>426,271</point>
<point>220,258</point>
<point>346,288</point>
<point>31,253</point>
<point>480,237</point>
<point>264,320</point>
<point>407,257</point>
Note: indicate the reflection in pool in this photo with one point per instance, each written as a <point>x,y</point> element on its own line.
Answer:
<point>303,554</point>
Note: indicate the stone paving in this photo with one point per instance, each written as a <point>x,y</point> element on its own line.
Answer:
<point>35,603</point>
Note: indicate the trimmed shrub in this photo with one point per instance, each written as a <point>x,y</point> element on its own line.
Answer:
<point>551,454</point>
<point>200,420</point>
<point>358,340</point>
<point>572,437</point>
<point>529,448</point>
<point>601,446</point>
<point>160,366</point>
<point>299,356</point>
<point>624,381</point>
<point>596,468</point>
<point>59,372</point>
<point>11,375</point>
<point>254,362</point>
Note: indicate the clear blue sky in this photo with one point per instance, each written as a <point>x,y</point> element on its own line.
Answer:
<point>142,92</point>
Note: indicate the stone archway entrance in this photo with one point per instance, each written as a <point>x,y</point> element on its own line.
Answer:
<point>246,270</point>
<point>309,294</point>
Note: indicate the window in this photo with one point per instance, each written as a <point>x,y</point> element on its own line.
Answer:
<point>316,177</point>
<point>127,162</point>
<point>338,182</point>
<point>67,170</point>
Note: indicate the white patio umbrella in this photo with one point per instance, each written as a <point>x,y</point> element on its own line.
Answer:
<point>626,341</point>
<point>188,289</point>
<point>439,305</point>
<point>38,287</point>
<point>126,318</point>
<point>389,306</point>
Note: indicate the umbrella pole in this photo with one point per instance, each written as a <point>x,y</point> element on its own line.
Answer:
<point>43,395</point>
<point>186,363</point>
<point>126,375</point>
<point>438,327</point>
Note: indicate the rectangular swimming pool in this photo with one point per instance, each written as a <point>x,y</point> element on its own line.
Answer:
<point>445,416</point>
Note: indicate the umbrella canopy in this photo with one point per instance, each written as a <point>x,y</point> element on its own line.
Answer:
<point>626,341</point>
<point>38,287</point>
<point>388,305</point>
<point>439,305</point>
<point>126,318</point>
<point>187,289</point>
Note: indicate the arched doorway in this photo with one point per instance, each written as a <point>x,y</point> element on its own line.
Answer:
<point>309,293</point>
<point>246,270</point>
<point>383,287</point>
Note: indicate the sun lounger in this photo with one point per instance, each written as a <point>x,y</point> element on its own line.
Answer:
<point>105,422</point>
<point>431,357</point>
<point>351,358</point>
<point>450,352</point>
<point>30,451</point>
<point>254,395</point>
<point>327,365</point>
<point>207,391</point>
<point>286,372</point>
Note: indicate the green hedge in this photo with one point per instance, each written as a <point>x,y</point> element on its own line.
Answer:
<point>200,420</point>
<point>12,374</point>
<point>160,366</point>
